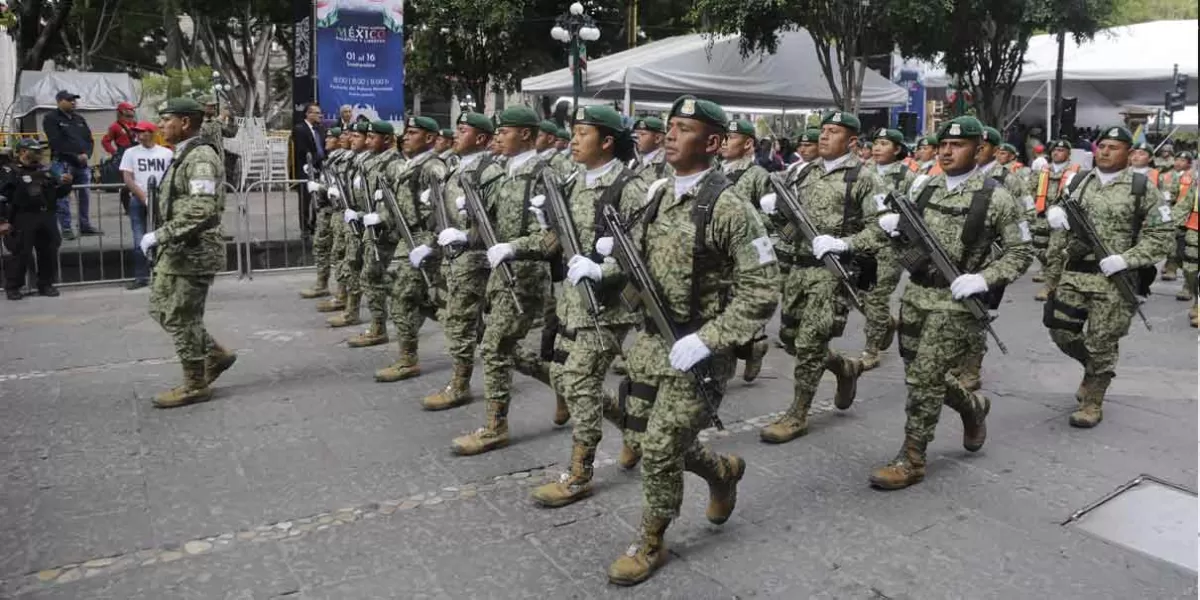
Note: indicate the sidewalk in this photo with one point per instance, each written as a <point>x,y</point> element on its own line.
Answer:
<point>304,478</point>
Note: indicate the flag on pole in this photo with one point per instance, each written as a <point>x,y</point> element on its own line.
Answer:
<point>1139,136</point>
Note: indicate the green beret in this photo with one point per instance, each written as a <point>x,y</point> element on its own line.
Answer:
<point>1185,156</point>
<point>478,121</point>
<point>743,127</point>
<point>447,133</point>
<point>654,124</point>
<point>810,136</point>
<point>991,135</point>
<point>600,116</point>
<point>361,127</point>
<point>518,116</point>
<point>181,106</point>
<point>1056,144</point>
<point>691,107</point>
<point>1144,146</point>
<point>892,135</point>
<point>29,144</point>
<point>848,120</point>
<point>961,127</point>
<point>1008,148</point>
<point>563,134</point>
<point>335,131</point>
<point>426,123</point>
<point>207,100</point>
<point>929,140</point>
<point>382,127</point>
<point>1118,133</point>
<point>548,126</point>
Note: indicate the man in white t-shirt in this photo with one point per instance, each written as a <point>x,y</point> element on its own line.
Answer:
<point>139,164</point>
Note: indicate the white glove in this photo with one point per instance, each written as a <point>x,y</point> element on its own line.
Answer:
<point>461,202</point>
<point>890,222</point>
<point>500,253</point>
<point>307,170</point>
<point>313,187</point>
<point>824,244</point>
<point>582,267</point>
<point>418,254</point>
<point>334,193</point>
<point>604,246</point>
<point>688,351</point>
<point>149,241</point>
<point>1057,218</point>
<point>451,235</point>
<point>537,201</point>
<point>370,219</point>
<point>540,215</point>
<point>378,195</point>
<point>350,215</point>
<point>1111,265</point>
<point>425,197</point>
<point>967,284</point>
<point>767,204</point>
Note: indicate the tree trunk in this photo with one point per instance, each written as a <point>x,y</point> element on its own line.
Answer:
<point>32,58</point>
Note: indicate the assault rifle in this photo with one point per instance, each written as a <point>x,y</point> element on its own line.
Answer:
<point>559,216</point>
<point>343,202</point>
<point>156,219</point>
<point>790,206</point>
<point>437,197</point>
<point>929,250</point>
<point>389,202</point>
<point>1083,228</point>
<point>652,302</point>
<point>479,216</point>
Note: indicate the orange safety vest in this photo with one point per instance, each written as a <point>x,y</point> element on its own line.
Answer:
<point>1185,184</point>
<point>1193,220</point>
<point>912,165</point>
<point>1152,175</point>
<point>1015,166</point>
<point>936,169</point>
<point>1043,188</point>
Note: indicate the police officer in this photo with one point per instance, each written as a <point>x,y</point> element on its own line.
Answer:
<point>29,192</point>
<point>191,252</point>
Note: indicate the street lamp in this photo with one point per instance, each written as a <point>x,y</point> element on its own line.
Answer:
<point>575,28</point>
<point>219,85</point>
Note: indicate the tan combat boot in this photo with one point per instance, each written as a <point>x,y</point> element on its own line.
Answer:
<point>1038,277</point>
<point>628,458</point>
<point>456,393</point>
<point>908,468</point>
<point>1169,270</point>
<point>334,304</point>
<point>869,358</point>
<point>573,486</point>
<point>722,489</point>
<point>484,439</point>
<point>1192,315</point>
<point>218,361</point>
<point>1043,294</point>
<point>969,373</point>
<point>405,367</point>
<point>847,371</point>
<point>644,556</point>
<point>562,414</point>
<point>758,351</point>
<point>375,335</point>
<point>887,340</point>
<point>350,315</point>
<point>793,423</point>
<point>1091,397</point>
<point>1189,283</point>
<point>192,390</point>
<point>320,290</point>
<point>973,407</point>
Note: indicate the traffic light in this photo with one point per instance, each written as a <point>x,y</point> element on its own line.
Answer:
<point>1177,98</point>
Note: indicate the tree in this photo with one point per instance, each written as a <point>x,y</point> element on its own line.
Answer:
<point>38,24</point>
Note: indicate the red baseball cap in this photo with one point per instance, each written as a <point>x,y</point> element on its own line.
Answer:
<point>126,106</point>
<point>145,126</point>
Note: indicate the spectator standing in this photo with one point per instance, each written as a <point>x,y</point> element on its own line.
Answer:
<point>138,164</point>
<point>345,117</point>
<point>71,146</point>
<point>308,139</point>
<point>116,140</point>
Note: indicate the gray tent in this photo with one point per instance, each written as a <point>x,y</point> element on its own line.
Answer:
<point>99,94</point>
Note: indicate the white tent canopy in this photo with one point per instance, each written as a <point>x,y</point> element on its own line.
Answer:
<point>666,69</point>
<point>1122,65</point>
<point>97,91</point>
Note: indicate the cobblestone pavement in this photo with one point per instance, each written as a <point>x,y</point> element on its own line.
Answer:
<point>303,478</point>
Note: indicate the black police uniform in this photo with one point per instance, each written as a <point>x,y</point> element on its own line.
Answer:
<point>28,201</point>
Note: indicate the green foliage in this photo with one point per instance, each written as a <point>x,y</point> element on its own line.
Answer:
<point>1129,12</point>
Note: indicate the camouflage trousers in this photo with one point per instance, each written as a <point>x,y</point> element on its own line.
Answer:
<point>376,282</point>
<point>412,301</point>
<point>504,327</point>
<point>816,310</point>
<point>1087,319</point>
<point>877,303</point>
<point>936,333</point>
<point>580,364</point>
<point>323,244</point>
<point>337,249</point>
<point>352,263</point>
<point>466,279</point>
<point>1190,260</point>
<point>1041,237</point>
<point>676,416</point>
<point>177,305</point>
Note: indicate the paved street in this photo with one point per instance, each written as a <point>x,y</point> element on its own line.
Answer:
<point>305,479</point>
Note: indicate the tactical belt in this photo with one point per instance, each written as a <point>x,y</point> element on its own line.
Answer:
<point>1079,265</point>
<point>1051,321</point>
<point>629,388</point>
<point>787,320</point>
<point>806,261</point>
<point>926,278</point>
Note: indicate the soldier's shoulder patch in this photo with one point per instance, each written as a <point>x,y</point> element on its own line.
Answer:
<point>202,169</point>
<point>766,250</point>
<point>654,187</point>
<point>1165,212</point>
<point>881,202</point>
<point>918,183</point>
<point>1026,236</point>
<point>202,187</point>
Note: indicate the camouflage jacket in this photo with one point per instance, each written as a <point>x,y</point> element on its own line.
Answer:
<point>467,173</point>
<point>562,164</point>
<point>738,288</point>
<point>752,184</point>
<point>214,132</point>
<point>1115,212</point>
<point>419,216</point>
<point>823,195</point>
<point>584,202</point>
<point>191,203</point>
<point>946,214</point>
<point>1172,183</point>
<point>1013,184</point>
<point>655,169</point>
<point>896,177</point>
<point>1054,183</point>
<point>507,205</point>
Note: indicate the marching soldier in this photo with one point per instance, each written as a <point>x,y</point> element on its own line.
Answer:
<point>1140,161</point>
<point>926,156</point>
<point>808,149</point>
<point>444,148</point>
<point>466,274</point>
<point>1175,186</point>
<point>888,152</point>
<point>547,148</point>
<point>1086,315</point>
<point>379,237</point>
<point>1046,187</point>
<point>840,195</point>
<point>411,300</point>
<point>693,210</point>
<point>966,215</point>
<point>650,163</point>
<point>351,267</point>
<point>562,143</point>
<point>1188,215</point>
<point>29,193</point>
<point>337,224</point>
<point>1166,158</point>
<point>191,252</point>
<point>323,236</point>
<point>217,127</point>
<point>1006,155</point>
<point>506,324</point>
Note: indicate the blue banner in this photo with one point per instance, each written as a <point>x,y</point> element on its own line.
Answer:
<point>360,58</point>
<point>910,80</point>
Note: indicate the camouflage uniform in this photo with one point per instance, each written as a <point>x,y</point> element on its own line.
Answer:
<point>652,167</point>
<point>1175,184</point>
<point>373,278</point>
<point>1035,212</point>
<point>338,231</point>
<point>1085,314</point>
<point>214,132</point>
<point>352,264</point>
<point>752,183</point>
<point>877,304</point>
<point>323,235</point>
<point>814,305</point>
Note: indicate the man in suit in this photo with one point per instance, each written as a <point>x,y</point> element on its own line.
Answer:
<point>308,139</point>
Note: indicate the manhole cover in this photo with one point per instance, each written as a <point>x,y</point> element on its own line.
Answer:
<point>1147,515</point>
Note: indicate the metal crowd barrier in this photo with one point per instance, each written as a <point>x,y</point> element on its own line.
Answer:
<point>275,238</point>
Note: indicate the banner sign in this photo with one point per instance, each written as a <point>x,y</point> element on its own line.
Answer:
<point>303,90</point>
<point>360,57</point>
<point>910,80</point>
